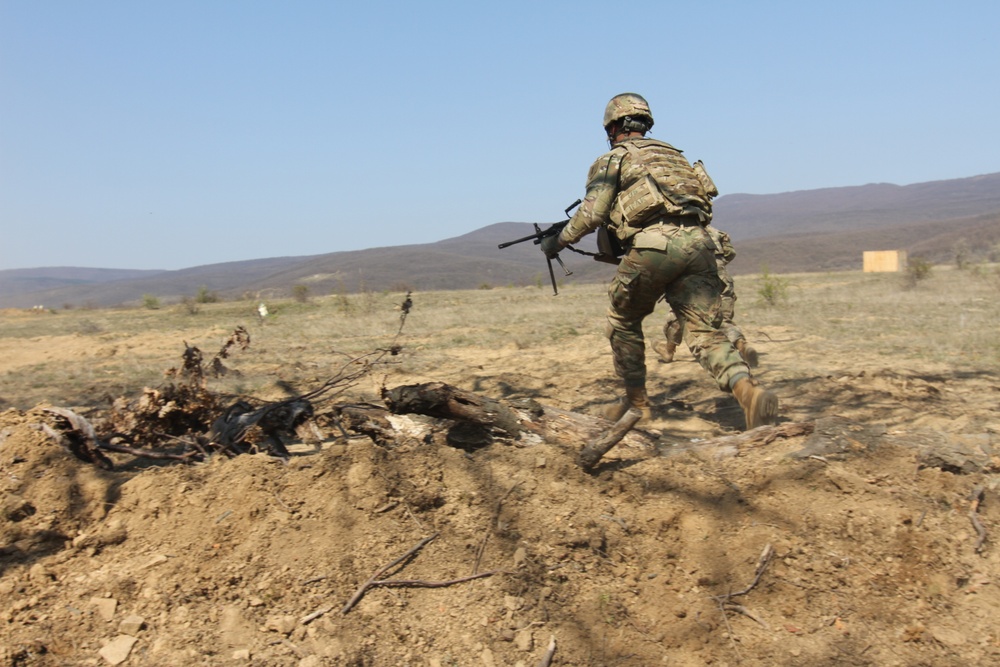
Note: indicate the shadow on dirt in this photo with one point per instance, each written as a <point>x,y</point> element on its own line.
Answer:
<point>75,488</point>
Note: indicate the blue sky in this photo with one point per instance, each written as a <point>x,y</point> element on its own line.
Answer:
<point>173,134</point>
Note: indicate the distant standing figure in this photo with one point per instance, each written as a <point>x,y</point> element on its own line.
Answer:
<point>673,328</point>
<point>657,204</point>
<point>262,311</point>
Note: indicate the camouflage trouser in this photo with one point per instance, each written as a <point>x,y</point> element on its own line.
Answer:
<point>685,273</point>
<point>673,328</point>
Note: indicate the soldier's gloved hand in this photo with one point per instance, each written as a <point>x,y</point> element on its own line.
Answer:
<point>551,245</point>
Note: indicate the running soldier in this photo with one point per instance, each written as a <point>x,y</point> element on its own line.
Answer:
<point>656,203</point>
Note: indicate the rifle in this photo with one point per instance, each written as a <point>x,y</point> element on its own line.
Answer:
<point>540,234</point>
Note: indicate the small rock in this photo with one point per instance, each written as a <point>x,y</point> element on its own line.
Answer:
<point>112,534</point>
<point>116,651</point>
<point>105,607</point>
<point>310,661</point>
<point>242,654</point>
<point>131,625</point>
<point>948,636</point>
<point>512,602</point>
<point>38,572</point>
<point>524,640</point>
<point>520,557</point>
<point>281,624</point>
<point>154,561</point>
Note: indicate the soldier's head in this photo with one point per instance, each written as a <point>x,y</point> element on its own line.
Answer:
<point>627,113</point>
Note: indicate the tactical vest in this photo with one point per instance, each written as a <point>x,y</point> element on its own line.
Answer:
<point>658,182</point>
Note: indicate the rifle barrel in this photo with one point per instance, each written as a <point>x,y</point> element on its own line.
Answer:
<point>537,236</point>
<point>521,240</point>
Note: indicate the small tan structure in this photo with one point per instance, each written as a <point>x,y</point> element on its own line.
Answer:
<point>881,261</point>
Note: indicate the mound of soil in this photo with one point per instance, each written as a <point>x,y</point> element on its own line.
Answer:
<point>865,542</point>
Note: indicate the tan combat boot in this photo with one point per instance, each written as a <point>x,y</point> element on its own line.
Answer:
<point>747,352</point>
<point>760,406</point>
<point>666,350</point>
<point>635,397</point>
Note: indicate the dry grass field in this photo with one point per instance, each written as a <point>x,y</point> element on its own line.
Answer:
<point>883,522</point>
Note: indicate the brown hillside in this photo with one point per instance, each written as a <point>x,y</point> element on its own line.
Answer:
<point>934,241</point>
<point>799,231</point>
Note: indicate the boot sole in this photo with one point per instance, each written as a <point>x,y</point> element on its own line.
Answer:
<point>763,409</point>
<point>661,350</point>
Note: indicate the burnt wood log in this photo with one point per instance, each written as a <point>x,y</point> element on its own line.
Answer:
<point>524,422</point>
<point>437,399</point>
<point>369,420</point>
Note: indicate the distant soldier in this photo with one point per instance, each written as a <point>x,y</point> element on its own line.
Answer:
<point>657,204</point>
<point>673,328</point>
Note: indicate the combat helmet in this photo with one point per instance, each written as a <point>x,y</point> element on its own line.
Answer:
<point>628,105</point>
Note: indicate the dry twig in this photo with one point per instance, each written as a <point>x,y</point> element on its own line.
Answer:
<point>977,498</point>
<point>309,618</point>
<point>725,601</point>
<point>740,609</point>
<point>762,562</point>
<point>374,580</point>
<point>549,652</point>
<point>493,524</point>
<point>365,586</point>
<point>145,453</point>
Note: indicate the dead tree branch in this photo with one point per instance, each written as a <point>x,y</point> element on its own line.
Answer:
<point>762,562</point>
<point>592,453</point>
<point>420,583</point>
<point>186,457</point>
<point>725,601</point>
<point>382,570</point>
<point>523,422</point>
<point>758,437</point>
<point>78,436</point>
<point>437,399</point>
<point>374,580</point>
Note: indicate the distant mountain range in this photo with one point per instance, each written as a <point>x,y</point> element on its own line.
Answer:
<point>809,230</point>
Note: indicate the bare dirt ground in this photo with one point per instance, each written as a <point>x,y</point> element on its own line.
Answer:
<point>883,523</point>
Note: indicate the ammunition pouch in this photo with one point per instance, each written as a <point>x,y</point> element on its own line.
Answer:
<point>609,248</point>
<point>642,202</point>
<point>705,179</point>
<point>646,202</point>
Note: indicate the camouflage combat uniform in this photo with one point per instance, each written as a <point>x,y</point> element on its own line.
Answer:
<point>724,254</point>
<point>669,256</point>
